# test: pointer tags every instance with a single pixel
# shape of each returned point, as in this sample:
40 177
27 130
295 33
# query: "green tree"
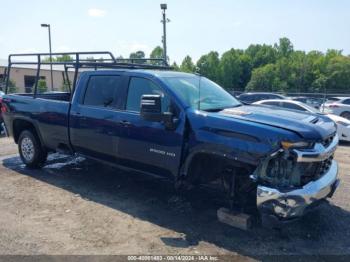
42 87
157 53
246 70
284 47
63 58
264 79
208 66
175 66
12 88
230 69
261 55
65 87
137 55
187 65
338 74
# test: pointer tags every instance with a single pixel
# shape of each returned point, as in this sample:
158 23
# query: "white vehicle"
338 106
343 124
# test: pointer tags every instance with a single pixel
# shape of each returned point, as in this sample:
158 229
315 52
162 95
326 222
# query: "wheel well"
206 167
19 125
230 175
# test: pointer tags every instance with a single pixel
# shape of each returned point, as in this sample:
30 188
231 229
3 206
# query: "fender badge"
236 112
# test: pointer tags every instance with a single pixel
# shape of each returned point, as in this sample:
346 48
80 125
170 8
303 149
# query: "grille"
313 171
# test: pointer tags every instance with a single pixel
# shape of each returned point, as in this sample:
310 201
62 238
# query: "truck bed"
48 112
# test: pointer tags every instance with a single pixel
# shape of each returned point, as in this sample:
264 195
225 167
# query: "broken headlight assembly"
281 169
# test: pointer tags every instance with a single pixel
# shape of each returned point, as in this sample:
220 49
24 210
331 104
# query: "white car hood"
336 118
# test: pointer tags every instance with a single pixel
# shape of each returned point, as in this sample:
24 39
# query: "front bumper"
294 203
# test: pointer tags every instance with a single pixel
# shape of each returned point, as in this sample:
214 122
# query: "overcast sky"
196 27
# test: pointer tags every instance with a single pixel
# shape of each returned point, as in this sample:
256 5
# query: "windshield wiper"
218 109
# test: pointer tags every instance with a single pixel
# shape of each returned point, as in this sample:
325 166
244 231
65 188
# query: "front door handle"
79 116
125 123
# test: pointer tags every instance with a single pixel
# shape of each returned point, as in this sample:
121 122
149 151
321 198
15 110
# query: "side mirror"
151 108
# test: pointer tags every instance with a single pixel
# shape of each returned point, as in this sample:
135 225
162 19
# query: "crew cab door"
146 145
94 122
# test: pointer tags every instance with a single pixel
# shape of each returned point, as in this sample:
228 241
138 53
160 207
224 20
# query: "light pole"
164 21
49 29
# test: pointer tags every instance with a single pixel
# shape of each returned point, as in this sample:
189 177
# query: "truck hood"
307 125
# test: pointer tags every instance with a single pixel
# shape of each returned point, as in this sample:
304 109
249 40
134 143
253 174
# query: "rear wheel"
30 149
345 115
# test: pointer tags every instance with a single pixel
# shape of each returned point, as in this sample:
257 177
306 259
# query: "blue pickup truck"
186 127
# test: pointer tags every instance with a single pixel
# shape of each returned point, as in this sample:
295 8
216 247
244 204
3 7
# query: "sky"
196 27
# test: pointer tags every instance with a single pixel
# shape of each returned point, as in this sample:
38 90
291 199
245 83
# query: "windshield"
311 109
332 99
201 93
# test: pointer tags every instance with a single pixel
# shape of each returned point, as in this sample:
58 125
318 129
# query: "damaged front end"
293 179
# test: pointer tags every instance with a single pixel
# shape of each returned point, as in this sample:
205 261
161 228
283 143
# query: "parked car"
249 98
338 106
314 102
343 124
183 126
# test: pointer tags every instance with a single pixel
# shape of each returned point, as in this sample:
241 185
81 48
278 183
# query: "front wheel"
30 150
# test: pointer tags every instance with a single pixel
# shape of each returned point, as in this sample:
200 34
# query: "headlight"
302 144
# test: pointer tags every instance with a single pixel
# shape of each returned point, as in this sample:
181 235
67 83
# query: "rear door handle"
125 123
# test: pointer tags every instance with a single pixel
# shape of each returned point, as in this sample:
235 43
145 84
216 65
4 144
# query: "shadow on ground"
325 231
344 143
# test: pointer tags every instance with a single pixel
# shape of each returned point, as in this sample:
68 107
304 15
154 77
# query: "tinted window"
270 103
293 106
331 99
142 86
243 98
300 99
265 97
102 91
274 97
248 98
346 102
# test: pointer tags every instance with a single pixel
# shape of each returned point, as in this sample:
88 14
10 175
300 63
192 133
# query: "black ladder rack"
78 62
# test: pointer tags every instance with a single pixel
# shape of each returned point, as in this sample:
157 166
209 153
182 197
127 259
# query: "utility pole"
49 29
164 21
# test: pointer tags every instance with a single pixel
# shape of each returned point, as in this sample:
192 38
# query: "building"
24 76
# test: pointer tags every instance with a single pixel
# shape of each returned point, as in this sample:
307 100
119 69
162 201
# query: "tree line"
269 68
277 68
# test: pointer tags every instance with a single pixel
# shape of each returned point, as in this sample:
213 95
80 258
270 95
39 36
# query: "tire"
345 115
30 150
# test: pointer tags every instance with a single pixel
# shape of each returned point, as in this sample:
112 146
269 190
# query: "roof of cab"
150 72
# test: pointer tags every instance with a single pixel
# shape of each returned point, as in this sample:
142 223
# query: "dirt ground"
75 206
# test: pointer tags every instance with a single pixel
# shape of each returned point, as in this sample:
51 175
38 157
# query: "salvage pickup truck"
186 127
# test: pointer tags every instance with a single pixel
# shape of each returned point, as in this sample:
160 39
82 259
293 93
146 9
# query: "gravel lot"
75 206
